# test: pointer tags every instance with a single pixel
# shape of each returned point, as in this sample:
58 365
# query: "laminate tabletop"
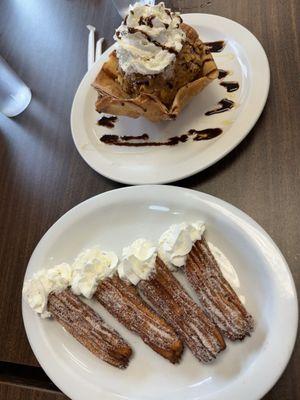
42 175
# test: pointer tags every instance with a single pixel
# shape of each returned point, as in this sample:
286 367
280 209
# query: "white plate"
247 61
245 370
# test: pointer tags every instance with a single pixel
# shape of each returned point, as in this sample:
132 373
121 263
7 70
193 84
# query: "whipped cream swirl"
37 289
176 243
148 39
138 261
89 268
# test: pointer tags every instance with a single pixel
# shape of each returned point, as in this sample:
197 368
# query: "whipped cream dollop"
176 243
138 261
37 289
89 268
148 39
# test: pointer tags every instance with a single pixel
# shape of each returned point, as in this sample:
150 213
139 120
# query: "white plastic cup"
123 5
14 94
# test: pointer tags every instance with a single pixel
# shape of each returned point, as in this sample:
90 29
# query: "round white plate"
245 370
246 60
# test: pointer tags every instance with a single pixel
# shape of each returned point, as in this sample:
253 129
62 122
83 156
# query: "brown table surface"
42 176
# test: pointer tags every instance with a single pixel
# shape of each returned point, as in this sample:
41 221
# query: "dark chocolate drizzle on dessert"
147 20
155 42
132 141
169 49
225 105
222 74
230 86
108 122
216 47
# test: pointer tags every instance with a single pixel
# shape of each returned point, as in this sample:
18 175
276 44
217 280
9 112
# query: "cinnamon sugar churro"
219 300
95 276
172 302
142 266
85 325
123 301
184 246
48 295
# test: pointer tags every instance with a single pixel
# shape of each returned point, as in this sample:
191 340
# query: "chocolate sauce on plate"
230 86
205 134
131 141
222 73
225 105
144 136
217 46
118 141
108 122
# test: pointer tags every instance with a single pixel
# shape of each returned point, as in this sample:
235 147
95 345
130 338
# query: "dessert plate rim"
258 94
264 373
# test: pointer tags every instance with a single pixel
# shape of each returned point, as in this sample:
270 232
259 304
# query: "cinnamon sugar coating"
85 325
123 301
172 302
217 298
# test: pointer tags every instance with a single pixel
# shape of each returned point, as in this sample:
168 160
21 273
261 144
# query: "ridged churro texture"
123 301
85 325
217 298
172 302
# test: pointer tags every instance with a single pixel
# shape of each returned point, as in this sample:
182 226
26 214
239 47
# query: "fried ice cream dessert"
158 65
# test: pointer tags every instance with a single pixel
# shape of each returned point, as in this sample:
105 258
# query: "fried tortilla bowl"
112 98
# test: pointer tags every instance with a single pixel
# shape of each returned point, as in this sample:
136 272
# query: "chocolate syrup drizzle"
230 86
144 136
108 122
155 42
146 20
131 141
217 46
205 134
222 73
225 105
